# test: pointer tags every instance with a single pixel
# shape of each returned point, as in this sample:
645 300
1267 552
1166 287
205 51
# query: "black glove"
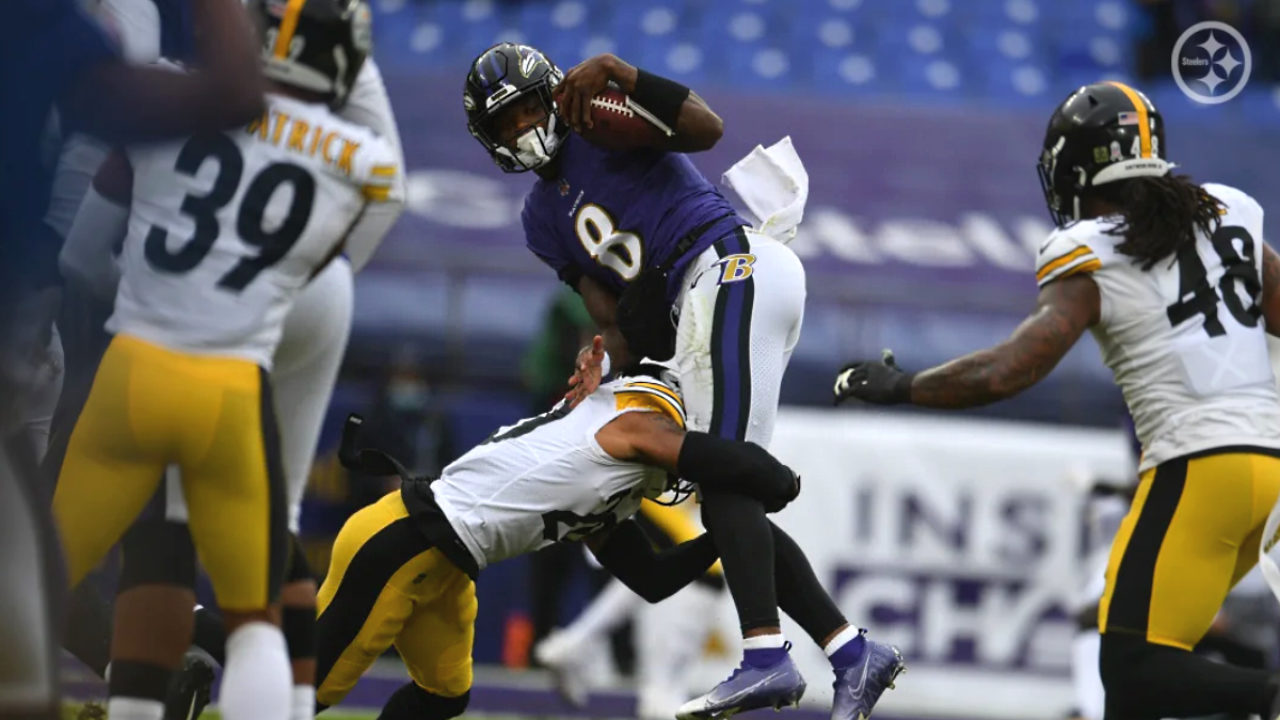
882 383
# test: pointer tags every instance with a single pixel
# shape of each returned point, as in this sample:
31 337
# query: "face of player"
525 132
517 119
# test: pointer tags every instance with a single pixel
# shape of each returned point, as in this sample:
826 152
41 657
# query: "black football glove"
882 383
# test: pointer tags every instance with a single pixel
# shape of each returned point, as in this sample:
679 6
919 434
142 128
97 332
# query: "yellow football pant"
1190 535
151 407
387 586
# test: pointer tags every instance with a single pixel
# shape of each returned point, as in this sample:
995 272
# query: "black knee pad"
299 569
1123 662
134 679
411 702
299 627
158 552
716 463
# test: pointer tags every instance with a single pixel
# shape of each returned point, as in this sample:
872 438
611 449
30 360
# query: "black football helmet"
1100 134
501 76
314 45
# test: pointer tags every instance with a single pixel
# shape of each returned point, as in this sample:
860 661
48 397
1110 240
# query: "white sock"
304 703
763 642
256 682
131 708
840 639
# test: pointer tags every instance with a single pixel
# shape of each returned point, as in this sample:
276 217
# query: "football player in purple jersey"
670 272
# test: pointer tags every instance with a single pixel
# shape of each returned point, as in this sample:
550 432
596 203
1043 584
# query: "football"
617 125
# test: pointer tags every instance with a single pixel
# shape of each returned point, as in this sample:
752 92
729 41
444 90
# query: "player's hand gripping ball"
589 100
615 125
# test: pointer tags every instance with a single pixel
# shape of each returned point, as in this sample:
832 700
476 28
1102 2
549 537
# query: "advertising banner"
958 540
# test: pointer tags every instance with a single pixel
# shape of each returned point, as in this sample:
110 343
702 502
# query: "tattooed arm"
1064 309
1271 289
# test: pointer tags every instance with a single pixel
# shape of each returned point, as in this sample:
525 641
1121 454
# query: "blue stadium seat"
922 40
1005 43
825 30
413 36
940 78
636 26
941 50
683 58
1098 52
771 68
844 73
1091 15
580 47
1019 83
849 8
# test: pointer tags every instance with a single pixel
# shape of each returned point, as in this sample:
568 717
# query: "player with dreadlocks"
1179 290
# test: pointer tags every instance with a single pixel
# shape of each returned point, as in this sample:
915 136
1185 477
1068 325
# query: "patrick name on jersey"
325 141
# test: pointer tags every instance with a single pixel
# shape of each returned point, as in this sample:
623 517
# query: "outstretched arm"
588 370
696 127
712 462
626 551
122 103
1064 310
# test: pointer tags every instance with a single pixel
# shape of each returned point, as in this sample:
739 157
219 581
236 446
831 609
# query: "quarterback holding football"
670 272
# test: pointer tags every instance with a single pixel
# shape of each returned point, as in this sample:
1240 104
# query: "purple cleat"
859 686
748 688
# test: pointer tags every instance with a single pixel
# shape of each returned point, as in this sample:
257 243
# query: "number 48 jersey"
224 228
1185 340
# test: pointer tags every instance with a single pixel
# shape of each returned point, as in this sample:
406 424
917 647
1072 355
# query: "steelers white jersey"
1185 340
546 478
224 228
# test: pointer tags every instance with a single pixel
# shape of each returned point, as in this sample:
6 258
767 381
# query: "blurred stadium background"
968 541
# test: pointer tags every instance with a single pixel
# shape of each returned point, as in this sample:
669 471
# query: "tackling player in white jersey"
224 230
1179 289
402 569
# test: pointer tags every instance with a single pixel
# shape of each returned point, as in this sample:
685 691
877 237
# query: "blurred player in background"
1179 289
223 231
643 236
669 636
303 373
403 568
58 56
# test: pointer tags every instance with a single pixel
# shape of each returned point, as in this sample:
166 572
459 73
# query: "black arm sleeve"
653 575
745 468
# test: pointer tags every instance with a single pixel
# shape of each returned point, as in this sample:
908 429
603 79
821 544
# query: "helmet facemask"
530 146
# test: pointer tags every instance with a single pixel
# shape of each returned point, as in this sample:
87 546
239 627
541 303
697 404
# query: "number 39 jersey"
546 479
1185 339
224 228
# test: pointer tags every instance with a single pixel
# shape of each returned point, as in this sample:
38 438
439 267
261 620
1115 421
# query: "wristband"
902 389
661 97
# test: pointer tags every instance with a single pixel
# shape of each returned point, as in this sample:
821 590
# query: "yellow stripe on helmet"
1144 124
288 26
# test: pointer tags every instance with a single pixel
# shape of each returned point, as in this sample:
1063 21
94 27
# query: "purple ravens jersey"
609 214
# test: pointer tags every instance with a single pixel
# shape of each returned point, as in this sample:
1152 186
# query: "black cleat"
189 689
